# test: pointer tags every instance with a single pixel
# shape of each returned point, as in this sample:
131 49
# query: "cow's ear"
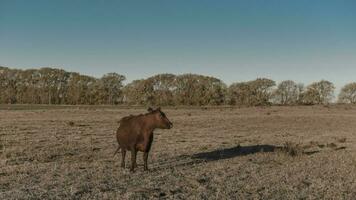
149 109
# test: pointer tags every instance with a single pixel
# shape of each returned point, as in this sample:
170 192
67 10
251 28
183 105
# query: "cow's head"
160 118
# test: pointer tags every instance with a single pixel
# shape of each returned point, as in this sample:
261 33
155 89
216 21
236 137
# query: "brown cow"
135 133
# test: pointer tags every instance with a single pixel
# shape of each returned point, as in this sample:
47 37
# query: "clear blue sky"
302 40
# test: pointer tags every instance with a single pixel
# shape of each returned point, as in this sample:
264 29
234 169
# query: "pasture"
66 152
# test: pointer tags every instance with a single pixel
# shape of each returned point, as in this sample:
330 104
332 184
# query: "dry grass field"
211 153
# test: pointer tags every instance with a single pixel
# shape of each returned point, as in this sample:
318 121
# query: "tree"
216 91
261 91
169 89
251 93
56 86
192 89
9 82
3 87
161 90
348 93
80 89
185 91
287 93
319 93
111 88
238 93
133 93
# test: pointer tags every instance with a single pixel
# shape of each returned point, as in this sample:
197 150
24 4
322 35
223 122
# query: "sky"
304 40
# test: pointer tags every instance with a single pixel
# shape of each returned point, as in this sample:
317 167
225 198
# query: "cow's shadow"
221 154
232 152
215 155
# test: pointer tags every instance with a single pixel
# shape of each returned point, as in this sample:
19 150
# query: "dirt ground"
211 153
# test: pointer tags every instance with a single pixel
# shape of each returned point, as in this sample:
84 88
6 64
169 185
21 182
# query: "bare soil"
211 153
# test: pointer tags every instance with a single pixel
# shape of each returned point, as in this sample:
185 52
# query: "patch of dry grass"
293 149
211 153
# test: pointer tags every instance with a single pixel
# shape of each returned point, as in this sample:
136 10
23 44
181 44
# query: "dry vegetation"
58 87
211 153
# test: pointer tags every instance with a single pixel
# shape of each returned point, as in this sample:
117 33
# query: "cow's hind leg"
123 155
133 159
117 150
145 157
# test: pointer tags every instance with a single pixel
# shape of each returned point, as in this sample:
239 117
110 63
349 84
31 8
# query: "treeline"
56 86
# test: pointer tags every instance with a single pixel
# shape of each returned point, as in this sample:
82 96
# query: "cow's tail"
117 151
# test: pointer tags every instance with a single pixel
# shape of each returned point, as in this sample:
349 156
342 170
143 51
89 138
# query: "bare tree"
287 93
319 93
348 93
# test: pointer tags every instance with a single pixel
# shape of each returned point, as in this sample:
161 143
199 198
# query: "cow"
135 133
